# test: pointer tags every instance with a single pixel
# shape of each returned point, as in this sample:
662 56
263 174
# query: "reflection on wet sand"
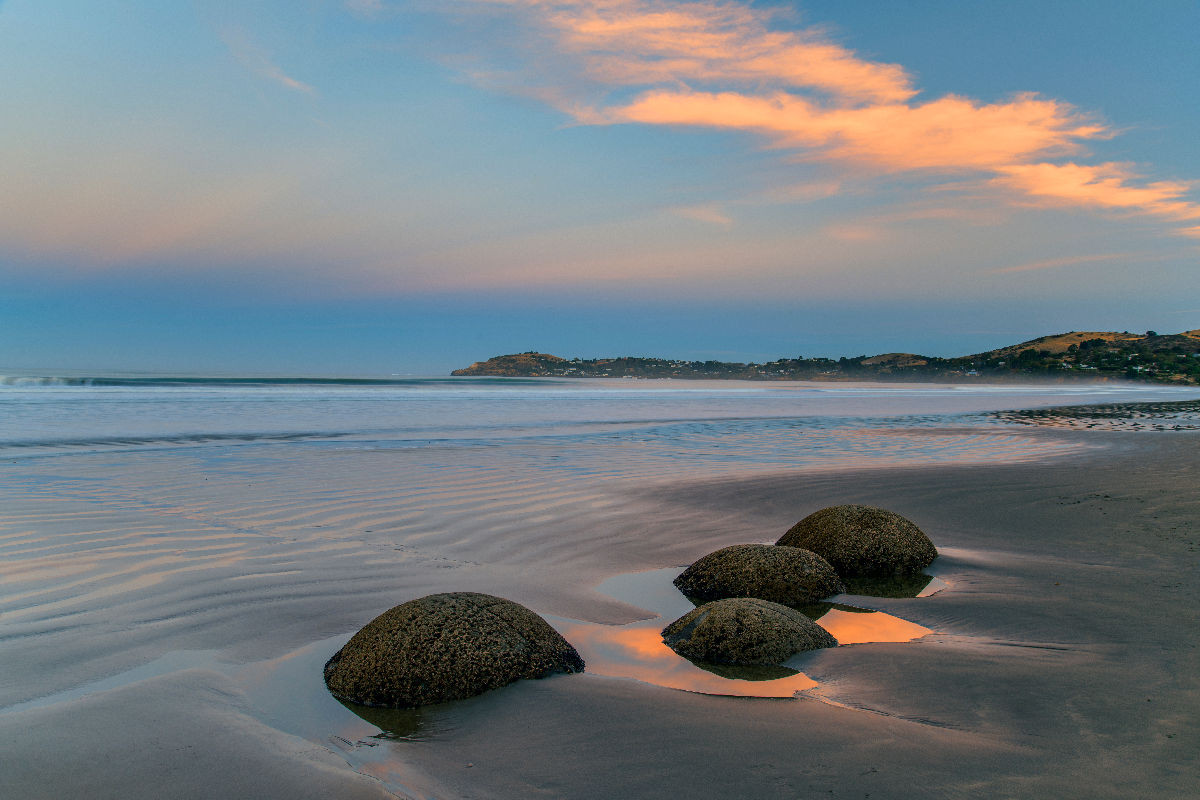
920 585
852 626
637 650
395 723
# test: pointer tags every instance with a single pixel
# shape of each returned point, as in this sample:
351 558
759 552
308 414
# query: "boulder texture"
744 631
446 647
788 575
863 541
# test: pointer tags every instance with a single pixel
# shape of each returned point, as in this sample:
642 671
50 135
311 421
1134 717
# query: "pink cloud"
707 213
727 65
1068 261
1101 186
951 133
641 42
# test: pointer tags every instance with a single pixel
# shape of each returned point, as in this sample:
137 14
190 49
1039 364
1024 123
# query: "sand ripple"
111 558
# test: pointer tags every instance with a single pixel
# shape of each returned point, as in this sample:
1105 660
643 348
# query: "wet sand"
1063 663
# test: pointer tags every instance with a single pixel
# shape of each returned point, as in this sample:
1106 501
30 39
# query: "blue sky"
378 186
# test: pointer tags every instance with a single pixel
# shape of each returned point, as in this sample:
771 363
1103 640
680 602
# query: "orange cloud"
1102 186
640 42
709 213
726 64
951 133
1067 261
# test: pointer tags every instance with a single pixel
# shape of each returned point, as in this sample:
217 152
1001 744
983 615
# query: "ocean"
150 525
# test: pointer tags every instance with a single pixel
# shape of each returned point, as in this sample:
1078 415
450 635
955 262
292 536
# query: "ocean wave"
162 381
171 439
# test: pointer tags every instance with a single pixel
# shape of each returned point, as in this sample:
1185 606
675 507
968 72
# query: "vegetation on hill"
1170 358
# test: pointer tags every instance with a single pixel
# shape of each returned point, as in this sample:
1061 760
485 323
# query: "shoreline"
1063 661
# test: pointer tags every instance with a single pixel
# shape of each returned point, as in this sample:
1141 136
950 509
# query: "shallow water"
637 651
149 528
148 517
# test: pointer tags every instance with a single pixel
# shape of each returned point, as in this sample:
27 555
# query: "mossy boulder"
863 541
788 575
446 647
744 631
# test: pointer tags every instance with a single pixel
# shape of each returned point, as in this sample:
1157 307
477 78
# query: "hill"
1107 355
518 365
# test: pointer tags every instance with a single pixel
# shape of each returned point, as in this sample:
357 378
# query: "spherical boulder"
788 575
446 647
863 541
744 631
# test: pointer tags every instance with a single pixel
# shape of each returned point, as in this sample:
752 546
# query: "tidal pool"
636 650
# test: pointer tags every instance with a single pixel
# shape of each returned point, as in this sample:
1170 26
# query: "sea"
156 523
585 426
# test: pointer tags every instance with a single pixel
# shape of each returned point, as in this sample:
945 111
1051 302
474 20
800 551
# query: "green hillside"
1168 358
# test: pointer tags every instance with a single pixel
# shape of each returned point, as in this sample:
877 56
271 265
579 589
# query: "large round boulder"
863 541
788 575
446 647
744 631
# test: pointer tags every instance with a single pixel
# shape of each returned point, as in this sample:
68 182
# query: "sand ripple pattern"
111 557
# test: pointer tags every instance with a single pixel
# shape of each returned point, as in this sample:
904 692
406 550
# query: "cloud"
734 66
640 42
948 134
803 192
1068 261
706 213
1101 186
258 61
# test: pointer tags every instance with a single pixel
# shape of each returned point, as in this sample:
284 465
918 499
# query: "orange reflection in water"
637 651
852 627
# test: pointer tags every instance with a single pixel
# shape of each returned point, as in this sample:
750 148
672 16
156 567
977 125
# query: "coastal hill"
519 365
1149 356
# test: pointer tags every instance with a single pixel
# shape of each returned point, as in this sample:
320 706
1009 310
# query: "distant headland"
1149 356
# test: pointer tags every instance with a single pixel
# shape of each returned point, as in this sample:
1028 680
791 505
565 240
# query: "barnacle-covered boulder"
446 647
744 631
863 541
788 575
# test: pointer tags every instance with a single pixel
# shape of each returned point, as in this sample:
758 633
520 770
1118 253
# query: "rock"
446 647
744 631
788 575
861 541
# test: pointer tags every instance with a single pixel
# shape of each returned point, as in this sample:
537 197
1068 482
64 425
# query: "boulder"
788 575
446 647
744 631
863 541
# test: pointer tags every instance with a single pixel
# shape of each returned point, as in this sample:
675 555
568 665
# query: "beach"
167 611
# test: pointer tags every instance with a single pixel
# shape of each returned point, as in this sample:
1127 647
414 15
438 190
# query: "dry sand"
1063 663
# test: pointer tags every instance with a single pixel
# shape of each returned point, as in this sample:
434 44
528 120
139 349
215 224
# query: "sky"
378 187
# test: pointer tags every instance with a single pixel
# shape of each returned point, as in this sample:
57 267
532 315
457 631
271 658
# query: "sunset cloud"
641 42
1106 186
708 213
251 56
950 134
1067 261
732 66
